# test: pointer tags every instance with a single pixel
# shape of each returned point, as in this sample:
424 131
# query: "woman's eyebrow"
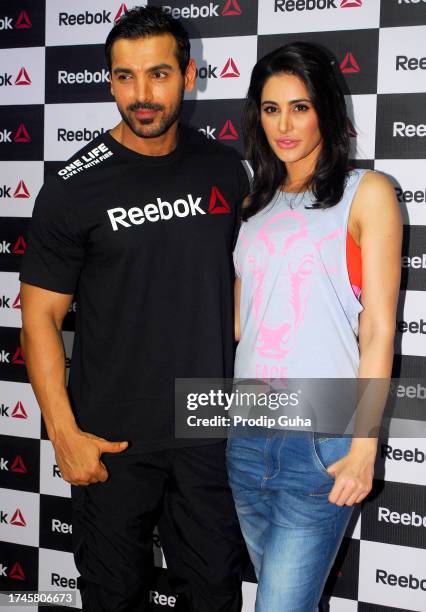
296 101
299 100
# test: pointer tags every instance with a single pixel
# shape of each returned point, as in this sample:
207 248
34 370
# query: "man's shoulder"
200 145
215 161
91 156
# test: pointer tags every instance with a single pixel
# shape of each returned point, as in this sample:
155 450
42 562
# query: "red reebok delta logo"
17 302
22 134
349 64
121 11
23 22
19 411
350 3
16 572
230 70
228 132
18 465
218 205
18 358
20 246
21 191
23 78
18 519
231 8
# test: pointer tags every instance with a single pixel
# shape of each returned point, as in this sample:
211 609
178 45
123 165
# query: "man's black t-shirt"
146 243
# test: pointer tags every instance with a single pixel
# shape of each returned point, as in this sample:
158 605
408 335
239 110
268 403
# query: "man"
140 222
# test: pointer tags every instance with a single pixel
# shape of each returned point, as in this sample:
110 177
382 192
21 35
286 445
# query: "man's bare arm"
77 452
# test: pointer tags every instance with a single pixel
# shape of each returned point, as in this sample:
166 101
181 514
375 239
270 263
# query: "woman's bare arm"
376 214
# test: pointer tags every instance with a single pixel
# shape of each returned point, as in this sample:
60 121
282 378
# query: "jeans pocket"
328 449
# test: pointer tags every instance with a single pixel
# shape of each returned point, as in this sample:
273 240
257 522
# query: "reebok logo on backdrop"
206 11
22 78
18 411
288 6
23 22
88 18
15 573
229 70
21 135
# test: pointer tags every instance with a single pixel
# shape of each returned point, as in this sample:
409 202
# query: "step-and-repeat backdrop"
54 98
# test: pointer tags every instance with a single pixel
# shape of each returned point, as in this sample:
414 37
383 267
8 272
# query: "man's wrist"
60 433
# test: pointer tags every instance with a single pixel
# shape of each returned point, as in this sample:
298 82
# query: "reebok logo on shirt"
164 211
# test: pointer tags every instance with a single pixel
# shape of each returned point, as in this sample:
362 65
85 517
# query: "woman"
317 263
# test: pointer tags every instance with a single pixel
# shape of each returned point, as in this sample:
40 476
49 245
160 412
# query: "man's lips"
145 114
287 143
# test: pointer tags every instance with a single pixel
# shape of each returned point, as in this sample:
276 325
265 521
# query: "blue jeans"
280 487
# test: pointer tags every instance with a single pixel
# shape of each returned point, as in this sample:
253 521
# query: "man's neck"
155 147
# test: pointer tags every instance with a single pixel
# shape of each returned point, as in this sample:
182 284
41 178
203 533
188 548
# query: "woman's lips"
287 143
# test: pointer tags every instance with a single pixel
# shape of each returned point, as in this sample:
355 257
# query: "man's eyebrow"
163 66
160 67
121 70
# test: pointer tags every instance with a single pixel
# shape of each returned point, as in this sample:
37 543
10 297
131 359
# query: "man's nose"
142 90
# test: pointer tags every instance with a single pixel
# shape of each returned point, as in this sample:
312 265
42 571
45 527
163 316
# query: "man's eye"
123 77
159 74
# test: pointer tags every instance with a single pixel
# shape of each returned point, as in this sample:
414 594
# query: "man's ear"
190 75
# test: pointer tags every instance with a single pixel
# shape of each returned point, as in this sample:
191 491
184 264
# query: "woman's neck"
300 172
294 186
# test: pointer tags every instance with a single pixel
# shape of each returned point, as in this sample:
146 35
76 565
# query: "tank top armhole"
353 256
236 253
354 264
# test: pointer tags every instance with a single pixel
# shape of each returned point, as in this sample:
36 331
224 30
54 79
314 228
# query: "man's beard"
143 127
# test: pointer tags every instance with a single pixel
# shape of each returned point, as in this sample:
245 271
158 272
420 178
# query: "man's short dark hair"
150 21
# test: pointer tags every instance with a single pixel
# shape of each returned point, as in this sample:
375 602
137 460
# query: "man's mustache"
145 106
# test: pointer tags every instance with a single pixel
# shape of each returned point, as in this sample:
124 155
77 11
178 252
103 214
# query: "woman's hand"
353 474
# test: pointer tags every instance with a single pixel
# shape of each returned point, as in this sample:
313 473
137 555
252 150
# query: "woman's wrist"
365 447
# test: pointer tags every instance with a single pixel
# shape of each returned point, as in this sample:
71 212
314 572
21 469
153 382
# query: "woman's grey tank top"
298 311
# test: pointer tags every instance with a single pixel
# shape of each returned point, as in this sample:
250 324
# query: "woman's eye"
269 109
301 107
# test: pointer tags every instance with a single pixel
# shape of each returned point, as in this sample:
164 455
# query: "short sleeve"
244 185
56 248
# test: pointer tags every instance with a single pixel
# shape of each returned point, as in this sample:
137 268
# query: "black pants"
183 491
